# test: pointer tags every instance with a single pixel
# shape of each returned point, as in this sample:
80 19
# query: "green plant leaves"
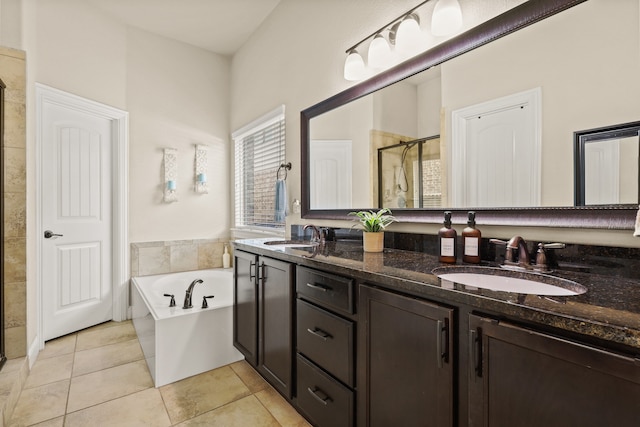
375 221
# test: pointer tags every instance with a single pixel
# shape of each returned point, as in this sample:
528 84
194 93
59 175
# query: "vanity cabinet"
325 333
405 363
245 306
263 317
526 378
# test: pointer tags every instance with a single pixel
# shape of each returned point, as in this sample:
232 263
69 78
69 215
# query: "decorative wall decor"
170 175
201 163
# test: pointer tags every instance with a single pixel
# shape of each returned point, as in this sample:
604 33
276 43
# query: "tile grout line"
73 363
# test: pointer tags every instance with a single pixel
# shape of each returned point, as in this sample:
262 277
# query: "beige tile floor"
98 377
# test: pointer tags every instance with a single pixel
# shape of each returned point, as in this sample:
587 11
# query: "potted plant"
374 224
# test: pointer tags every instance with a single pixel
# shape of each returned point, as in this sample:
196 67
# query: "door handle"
50 234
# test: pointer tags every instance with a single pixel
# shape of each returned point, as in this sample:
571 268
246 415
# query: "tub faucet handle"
204 301
172 303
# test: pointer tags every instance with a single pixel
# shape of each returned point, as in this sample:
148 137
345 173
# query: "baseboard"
34 350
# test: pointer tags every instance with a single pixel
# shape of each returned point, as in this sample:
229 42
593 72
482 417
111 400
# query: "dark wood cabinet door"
276 324
524 378
245 306
405 367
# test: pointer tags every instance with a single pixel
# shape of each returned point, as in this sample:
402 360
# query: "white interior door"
76 190
602 180
330 172
496 150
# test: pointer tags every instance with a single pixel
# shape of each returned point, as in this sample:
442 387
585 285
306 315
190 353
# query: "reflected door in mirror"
330 167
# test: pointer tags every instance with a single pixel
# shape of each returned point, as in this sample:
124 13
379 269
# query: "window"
259 151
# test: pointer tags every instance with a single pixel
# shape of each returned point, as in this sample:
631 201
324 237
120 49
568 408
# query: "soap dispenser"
226 258
447 238
471 241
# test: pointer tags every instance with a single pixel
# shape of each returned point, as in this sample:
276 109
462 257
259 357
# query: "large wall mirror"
541 67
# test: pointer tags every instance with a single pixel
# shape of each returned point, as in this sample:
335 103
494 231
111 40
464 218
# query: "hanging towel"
636 232
281 200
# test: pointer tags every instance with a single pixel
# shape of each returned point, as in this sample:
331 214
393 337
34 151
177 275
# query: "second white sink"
497 280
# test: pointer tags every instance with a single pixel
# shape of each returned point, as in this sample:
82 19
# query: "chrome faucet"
316 236
517 243
187 296
517 253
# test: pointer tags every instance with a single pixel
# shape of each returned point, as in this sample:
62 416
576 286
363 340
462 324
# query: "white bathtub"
179 343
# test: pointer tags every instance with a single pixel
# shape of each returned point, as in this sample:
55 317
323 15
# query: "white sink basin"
499 280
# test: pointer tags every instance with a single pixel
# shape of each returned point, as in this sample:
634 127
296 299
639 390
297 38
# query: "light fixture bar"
385 27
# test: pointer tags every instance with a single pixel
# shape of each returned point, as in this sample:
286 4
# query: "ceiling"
220 26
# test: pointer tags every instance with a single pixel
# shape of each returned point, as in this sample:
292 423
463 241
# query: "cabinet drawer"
327 340
321 398
326 289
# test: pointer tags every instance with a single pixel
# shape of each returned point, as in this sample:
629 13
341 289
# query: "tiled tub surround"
608 312
148 258
12 73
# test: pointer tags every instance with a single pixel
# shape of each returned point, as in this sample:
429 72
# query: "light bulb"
447 18
354 66
409 35
379 56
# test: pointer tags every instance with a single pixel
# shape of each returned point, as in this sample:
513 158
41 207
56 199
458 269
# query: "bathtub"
179 343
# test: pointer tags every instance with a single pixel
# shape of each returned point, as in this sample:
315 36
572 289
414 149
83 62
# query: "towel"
281 200
636 232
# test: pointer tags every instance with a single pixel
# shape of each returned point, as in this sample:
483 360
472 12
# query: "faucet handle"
541 258
553 245
498 242
204 301
172 302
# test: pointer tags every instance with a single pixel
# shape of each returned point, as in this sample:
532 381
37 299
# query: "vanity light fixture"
404 38
447 18
379 55
354 68
409 35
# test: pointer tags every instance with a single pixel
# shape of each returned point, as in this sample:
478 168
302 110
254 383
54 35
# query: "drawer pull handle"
320 333
318 287
319 395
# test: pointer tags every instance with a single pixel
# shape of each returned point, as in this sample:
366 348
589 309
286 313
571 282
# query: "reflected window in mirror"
606 165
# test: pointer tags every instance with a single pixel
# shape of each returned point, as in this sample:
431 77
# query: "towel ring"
286 167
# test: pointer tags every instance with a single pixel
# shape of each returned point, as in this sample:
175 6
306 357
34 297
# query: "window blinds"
258 154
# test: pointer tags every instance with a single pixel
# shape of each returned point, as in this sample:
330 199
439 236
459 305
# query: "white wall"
581 58
298 54
177 96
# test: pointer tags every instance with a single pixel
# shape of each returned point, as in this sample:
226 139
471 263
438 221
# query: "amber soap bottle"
471 241
447 238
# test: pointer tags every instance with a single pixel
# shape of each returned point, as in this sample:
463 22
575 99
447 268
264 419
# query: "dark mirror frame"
530 12
582 138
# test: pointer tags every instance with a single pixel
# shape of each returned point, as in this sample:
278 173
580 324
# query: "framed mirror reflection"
538 45
606 165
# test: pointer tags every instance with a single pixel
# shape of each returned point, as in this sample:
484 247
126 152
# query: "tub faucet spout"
187 296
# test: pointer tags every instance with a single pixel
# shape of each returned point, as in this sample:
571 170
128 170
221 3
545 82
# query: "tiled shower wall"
150 258
13 74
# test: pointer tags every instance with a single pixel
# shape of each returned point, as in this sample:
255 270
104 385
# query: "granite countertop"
608 311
